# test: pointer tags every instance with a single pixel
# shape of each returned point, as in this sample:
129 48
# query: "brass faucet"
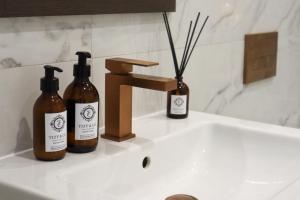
118 95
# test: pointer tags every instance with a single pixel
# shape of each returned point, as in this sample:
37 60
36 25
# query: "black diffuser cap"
49 83
81 69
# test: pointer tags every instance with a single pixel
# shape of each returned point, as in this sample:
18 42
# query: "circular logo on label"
178 101
58 123
88 113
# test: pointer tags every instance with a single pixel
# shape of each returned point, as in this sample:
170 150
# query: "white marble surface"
214 74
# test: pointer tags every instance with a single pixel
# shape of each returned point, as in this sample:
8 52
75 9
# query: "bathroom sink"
209 157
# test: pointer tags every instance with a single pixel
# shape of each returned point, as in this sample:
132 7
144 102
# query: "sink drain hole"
181 197
146 162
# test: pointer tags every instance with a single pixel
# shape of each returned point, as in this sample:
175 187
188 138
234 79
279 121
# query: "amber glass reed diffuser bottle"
82 100
178 100
49 120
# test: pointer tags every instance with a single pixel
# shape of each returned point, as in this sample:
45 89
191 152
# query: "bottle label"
86 121
178 104
55 131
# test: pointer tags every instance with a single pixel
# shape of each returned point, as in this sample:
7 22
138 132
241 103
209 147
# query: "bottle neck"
179 79
180 82
50 92
81 79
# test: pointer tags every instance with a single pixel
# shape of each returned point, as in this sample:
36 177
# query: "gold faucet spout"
153 82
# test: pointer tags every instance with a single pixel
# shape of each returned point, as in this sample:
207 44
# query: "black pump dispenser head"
49 83
82 69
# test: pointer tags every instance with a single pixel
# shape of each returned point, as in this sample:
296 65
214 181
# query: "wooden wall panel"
260 60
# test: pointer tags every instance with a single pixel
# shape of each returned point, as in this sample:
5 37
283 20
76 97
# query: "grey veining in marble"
9 63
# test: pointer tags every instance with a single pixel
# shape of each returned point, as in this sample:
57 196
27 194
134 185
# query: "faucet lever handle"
125 65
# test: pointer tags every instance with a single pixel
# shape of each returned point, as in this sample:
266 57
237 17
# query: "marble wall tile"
219 72
276 100
127 34
217 86
231 19
142 33
39 40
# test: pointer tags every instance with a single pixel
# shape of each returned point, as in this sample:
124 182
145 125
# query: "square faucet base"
118 139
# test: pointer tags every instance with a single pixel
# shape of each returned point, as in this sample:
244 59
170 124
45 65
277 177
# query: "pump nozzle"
50 83
82 57
49 71
82 69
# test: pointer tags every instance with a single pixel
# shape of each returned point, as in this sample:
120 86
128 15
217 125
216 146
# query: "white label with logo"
178 104
55 131
86 121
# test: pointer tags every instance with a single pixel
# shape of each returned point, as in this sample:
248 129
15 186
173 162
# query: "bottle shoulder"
82 92
182 89
183 86
49 103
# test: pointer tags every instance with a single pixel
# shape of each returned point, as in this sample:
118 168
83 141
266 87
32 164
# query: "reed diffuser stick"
195 43
188 48
190 42
185 46
171 44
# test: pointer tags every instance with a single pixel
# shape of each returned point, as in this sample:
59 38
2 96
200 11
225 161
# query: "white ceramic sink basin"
209 157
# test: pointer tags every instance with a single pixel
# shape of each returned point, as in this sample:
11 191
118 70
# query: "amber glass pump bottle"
82 100
49 120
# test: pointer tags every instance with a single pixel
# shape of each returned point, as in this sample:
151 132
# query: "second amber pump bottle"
82 102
